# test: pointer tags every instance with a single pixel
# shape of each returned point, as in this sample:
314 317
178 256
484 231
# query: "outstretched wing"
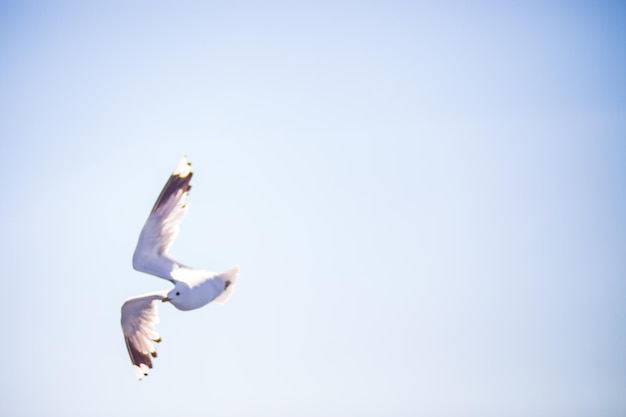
162 225
139 319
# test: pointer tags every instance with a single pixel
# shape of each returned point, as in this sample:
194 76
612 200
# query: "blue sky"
426 202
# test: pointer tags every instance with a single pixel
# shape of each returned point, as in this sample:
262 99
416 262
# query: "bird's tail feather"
230 278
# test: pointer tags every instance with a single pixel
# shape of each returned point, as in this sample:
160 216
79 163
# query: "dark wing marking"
139 319
174 185
163 225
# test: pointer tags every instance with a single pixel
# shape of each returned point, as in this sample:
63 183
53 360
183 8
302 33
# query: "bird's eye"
177 292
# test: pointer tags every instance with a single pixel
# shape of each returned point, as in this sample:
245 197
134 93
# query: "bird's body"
197 288
193 288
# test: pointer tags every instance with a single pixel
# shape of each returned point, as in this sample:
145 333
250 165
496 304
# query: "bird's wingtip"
183 168
140 371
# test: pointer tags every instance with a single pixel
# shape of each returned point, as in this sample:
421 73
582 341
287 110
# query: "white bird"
193 288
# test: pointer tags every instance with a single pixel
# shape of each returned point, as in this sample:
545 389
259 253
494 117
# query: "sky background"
427 203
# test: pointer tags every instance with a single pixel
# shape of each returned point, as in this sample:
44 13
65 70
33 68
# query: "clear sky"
427 203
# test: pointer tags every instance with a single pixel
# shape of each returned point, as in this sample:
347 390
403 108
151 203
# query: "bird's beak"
164 299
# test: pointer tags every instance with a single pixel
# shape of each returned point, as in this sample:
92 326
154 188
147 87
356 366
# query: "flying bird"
193 288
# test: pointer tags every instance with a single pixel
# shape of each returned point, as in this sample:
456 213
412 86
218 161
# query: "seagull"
193 288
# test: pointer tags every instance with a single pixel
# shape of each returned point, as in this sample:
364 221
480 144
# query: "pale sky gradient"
427 203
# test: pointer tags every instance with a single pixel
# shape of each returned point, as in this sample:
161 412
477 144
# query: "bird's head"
177 294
